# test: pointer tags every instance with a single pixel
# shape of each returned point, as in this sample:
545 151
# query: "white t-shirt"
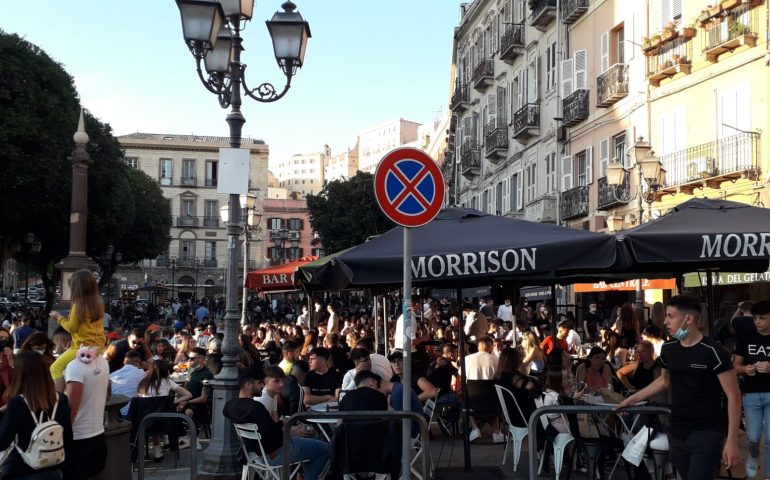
505 313
573 340
125 381
398 337
270 403
95 377
481 366
165 387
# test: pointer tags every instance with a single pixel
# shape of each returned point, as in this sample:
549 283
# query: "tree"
345 213
39 109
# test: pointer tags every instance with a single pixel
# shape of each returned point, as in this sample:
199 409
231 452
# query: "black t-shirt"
325 384
363 399
441 377
246 410
744 325
754 347
696 394
592 319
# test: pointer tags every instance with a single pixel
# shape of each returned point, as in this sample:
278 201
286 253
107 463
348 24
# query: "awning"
278 277
535 293
655 284
692 280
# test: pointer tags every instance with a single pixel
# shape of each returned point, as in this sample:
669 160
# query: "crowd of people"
293 356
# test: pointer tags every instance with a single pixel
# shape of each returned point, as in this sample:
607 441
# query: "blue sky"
368 62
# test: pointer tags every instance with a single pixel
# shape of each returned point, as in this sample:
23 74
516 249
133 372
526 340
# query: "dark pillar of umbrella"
463 382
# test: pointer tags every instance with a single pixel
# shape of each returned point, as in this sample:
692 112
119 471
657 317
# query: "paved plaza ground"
447 454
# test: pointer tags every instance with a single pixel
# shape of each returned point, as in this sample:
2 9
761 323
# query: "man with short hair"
303 320
322 384
698 372
290 353
314 453
592 319
505 311
548 344
380 363
361 361
201 313
274 383
476 324
743 321
482 365
21 333
366 395
116 352
126 380
196 406
289 401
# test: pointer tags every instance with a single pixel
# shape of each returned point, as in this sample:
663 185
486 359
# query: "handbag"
634 451
587 426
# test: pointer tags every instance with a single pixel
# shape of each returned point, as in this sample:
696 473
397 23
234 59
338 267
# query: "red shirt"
547 344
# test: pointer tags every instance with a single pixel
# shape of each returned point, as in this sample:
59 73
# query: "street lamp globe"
224 213
662 177
650 167
201 20
641 149
217 60
616 223
289 32
244 9
615 173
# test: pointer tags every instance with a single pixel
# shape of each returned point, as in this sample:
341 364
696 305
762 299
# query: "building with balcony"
709 84
187 170
287 231
303 173
603 86
375 142
501 147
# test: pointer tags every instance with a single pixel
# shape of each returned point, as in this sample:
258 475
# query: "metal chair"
256 461
560 443
515 434
418 445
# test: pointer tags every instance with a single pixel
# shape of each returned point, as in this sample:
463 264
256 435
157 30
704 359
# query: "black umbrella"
470 247
702 234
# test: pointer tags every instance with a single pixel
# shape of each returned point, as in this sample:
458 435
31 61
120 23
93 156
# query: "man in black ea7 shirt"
698 371
322 383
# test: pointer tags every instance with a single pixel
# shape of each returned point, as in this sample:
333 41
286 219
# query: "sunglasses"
195 357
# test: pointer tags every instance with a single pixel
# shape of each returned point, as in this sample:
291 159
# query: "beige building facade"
342 166
375 142
303 173
187 170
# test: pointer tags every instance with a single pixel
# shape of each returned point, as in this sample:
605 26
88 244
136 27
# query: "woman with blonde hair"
85 322
534 359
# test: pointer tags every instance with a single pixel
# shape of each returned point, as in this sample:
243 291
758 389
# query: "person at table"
290 354
116 352
617 355
482 365
643 371
126 380
548 344
322 384
289 400
274 383
420 385
752 360
533 362
367 394
573 338
314 453
698 372
196 406
594 373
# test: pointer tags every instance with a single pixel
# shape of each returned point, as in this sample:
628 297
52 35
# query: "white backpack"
46 444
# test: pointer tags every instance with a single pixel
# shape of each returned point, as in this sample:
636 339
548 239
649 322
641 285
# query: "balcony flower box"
704 17
688 32
668 34
715 10
730 4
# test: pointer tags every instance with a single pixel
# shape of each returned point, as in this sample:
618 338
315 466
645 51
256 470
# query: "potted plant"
714 10
688 31
703 17
655 40
669 32
736 29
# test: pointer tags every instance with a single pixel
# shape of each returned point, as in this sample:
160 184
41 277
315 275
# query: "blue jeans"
757 409
314 453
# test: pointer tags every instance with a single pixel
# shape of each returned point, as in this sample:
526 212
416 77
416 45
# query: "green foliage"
345 213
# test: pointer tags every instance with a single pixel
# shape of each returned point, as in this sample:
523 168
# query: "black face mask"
3 344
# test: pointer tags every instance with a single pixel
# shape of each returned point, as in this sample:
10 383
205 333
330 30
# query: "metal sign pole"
406 380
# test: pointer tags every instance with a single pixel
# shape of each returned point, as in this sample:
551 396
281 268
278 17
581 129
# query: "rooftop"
172 138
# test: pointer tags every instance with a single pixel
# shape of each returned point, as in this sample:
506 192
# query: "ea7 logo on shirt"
763 350
698 366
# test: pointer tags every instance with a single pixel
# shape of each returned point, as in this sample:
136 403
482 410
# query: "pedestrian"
752 352
698 371
84 323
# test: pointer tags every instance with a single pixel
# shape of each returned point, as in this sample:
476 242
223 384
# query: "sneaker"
184 443
157 453
198 445
751 466
498 438
475 435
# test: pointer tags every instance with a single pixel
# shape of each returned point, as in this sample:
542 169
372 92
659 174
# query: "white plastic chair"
418 445
255 461
560 443
515 434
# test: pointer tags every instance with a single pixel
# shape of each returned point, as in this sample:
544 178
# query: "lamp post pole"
212 33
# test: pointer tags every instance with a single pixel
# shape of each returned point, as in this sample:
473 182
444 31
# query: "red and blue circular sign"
409 187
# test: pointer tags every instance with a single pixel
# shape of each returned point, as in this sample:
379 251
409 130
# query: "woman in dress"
626 326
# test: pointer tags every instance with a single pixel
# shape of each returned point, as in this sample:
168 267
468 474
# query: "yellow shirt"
84 331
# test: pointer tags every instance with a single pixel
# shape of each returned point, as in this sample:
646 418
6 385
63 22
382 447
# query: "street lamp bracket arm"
216 83
264 92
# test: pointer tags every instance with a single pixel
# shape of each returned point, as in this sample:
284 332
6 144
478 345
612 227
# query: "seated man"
322 384
482 365
288 402
420 385
197 406
126 380
245 410
367 395
361 361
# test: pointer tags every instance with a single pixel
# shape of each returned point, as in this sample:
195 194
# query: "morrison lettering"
474 263
735 245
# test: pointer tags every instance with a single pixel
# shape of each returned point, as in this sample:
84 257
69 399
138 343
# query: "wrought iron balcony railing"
189 181
512 42
737 27
611 196
483 74
470 158
673 57
574 203
187 221
571 10
460 98
496 144
612 85
542 13
575 107
525 120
